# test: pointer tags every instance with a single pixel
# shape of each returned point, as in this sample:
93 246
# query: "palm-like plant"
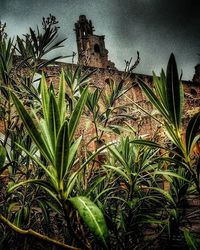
167 97
53 135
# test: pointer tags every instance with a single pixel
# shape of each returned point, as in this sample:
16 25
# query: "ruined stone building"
92 54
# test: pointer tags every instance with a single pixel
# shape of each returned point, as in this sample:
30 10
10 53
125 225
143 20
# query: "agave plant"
53 135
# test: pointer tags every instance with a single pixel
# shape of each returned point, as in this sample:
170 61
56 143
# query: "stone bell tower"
91 48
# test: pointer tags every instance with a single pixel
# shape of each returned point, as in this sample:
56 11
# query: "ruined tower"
91 48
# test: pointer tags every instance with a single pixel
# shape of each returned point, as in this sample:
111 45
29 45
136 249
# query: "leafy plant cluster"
56 191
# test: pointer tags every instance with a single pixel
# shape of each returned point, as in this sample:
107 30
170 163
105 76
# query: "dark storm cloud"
157 28
169 16
154 27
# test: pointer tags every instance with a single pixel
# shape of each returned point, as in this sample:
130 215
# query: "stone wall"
133 99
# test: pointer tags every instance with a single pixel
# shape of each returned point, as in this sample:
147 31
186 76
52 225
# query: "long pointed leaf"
191 132
54 120
50 174
44 184
174 94
61 97
153 99
45 97
62 150
34 133
72 152
75 117
92 216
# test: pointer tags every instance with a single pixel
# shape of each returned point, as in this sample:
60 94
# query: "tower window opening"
96 48
193 92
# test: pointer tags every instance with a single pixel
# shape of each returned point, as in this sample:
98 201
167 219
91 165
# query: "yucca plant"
168 99
53 134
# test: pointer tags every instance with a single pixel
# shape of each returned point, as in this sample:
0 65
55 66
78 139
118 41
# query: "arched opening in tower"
96 48
193 92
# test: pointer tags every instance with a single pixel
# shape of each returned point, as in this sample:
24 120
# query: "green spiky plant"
36 45
168 99
105 109
6 66
139 174
76 80
53 135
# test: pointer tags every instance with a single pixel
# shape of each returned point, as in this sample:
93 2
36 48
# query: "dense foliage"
54 189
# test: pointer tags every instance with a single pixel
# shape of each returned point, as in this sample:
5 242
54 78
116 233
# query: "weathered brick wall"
142 122
134 97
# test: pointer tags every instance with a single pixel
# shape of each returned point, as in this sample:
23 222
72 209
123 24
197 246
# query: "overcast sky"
153 27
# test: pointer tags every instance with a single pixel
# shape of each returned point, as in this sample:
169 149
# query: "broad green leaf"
92 216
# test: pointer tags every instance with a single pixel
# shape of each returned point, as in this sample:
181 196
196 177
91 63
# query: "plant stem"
143 110
33 233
